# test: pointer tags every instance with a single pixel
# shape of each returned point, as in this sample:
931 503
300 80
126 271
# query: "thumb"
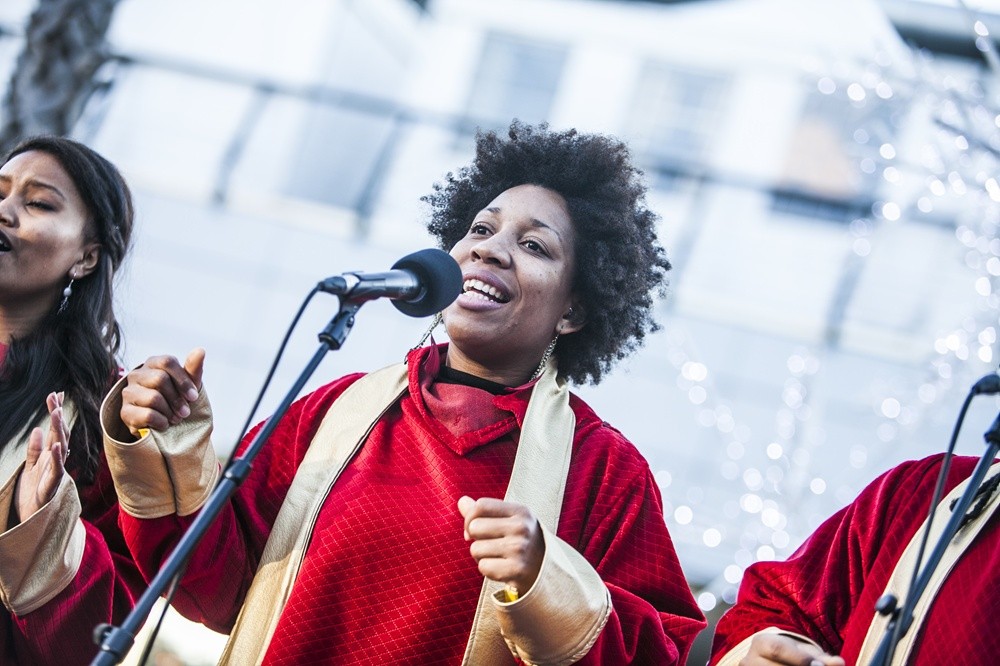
194 364
465 505
34 450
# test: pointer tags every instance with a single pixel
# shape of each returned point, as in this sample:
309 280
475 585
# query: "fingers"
828 660
777 649
487 508
506 540
484 527
465 506
194 364
34 448
43 470
54 471
58 429
158 393
502 566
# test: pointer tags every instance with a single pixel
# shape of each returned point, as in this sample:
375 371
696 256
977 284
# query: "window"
517 77
677 112
833 160
337 152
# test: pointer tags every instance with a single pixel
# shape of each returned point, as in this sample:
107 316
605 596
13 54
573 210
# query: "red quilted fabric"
60 632
103 590
388 577
827 589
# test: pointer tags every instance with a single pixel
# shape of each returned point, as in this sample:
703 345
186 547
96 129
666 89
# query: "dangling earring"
545 358
430 329
67 292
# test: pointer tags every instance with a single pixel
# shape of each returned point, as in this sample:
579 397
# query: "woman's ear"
88 262
573 320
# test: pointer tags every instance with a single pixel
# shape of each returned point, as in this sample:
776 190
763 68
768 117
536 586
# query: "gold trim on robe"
902 574
557 621
161 473
42 554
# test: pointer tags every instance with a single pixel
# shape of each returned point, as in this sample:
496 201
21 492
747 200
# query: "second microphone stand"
901 619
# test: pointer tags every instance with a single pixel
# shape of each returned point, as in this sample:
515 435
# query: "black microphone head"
440 276
988 385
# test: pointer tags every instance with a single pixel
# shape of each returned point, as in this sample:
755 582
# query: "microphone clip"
339 285
988 385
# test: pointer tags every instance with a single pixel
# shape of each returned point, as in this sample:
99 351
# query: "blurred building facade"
827 193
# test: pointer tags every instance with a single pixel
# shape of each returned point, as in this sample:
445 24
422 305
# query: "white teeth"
484 289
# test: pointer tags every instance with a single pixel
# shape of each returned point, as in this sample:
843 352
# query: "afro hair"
620 264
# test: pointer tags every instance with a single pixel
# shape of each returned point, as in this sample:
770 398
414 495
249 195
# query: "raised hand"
770 649
44 464
160 391
506 540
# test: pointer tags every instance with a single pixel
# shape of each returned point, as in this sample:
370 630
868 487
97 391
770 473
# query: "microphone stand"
115 642
902 619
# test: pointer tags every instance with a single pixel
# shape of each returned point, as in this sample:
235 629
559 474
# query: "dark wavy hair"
74 350
620 264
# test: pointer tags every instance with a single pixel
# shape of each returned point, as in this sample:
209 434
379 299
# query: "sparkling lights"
932 156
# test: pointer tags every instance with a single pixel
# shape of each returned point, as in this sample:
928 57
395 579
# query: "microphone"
988 385
419 284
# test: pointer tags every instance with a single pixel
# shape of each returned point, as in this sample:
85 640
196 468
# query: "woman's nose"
8 217
493 250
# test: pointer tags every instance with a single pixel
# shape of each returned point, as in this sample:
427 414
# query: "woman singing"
463 507
65 223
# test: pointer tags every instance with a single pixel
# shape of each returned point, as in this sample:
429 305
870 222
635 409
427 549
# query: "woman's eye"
42 205
479 229
535 246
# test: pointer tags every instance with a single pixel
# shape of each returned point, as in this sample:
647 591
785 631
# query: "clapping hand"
44 464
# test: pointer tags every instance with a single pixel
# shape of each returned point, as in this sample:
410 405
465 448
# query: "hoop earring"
430 329
545 359
67 292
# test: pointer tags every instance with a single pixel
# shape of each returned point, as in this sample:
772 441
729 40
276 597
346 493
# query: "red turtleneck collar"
463 417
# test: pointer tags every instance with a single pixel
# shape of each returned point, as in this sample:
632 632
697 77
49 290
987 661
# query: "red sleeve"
104 589
654 618
223 565
817 590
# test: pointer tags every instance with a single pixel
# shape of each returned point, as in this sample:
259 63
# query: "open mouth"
485 291
4 243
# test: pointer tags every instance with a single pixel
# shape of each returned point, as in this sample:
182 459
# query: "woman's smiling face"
43 230
518 260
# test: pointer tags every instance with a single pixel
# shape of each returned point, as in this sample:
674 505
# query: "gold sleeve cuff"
734 656
42 554
161 473
558 620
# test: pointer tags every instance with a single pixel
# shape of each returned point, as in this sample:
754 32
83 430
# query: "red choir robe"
59 632
827 589
388 575
105 587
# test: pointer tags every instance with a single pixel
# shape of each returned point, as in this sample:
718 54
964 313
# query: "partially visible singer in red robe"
470 460
66 220
818 607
